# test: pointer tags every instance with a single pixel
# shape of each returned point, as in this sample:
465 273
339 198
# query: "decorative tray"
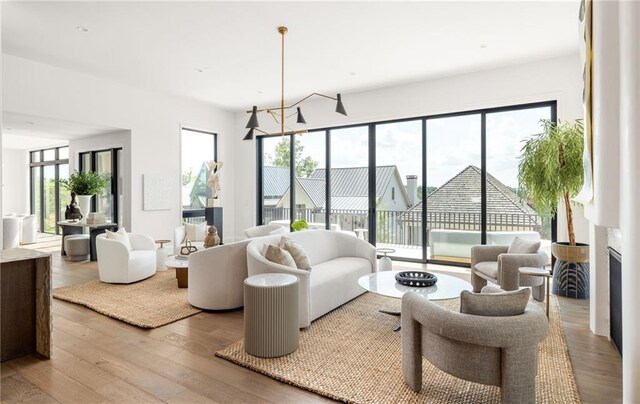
418 279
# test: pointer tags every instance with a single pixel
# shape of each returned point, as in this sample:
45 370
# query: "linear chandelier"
278 113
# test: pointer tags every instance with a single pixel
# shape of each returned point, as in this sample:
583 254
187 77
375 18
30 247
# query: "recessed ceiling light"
202 69
28 122
82 29
483 45
352 73
259 92
8 128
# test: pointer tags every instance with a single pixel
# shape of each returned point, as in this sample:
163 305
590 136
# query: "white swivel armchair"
118 264
29 230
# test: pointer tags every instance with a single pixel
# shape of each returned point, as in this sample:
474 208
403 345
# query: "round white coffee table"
384 283
385 263
182 270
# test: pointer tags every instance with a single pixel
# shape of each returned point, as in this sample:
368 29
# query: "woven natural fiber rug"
352 355
150 303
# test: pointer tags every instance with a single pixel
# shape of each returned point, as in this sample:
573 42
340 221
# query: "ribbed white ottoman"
77 247
271 315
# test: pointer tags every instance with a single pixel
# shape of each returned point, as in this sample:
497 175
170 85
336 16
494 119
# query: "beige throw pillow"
196 232
510 303
121 236
520 246
297 252
276 254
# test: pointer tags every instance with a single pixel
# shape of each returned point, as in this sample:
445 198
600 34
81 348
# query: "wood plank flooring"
98 359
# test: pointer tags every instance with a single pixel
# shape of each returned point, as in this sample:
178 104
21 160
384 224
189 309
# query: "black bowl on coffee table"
419 279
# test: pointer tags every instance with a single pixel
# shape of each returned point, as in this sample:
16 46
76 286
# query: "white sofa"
216 276
118 264
179 235
337 261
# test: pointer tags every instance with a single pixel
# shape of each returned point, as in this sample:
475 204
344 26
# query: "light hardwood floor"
99 359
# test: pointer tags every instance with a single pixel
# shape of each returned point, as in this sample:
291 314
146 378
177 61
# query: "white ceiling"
331 46
27 132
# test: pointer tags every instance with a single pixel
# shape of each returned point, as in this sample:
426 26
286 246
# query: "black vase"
72 212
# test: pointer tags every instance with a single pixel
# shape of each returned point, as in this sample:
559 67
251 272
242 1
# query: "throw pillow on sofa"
520 246
276 254
121 236
297 252
196 232
492 304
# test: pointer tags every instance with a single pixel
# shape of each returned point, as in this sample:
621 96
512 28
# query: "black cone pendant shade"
249 135
339 107
253 120
300 117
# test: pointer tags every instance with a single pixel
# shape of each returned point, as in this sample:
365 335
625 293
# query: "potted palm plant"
550 174
84 185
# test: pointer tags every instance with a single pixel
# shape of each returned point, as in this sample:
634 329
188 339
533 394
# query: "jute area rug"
150 303
352 355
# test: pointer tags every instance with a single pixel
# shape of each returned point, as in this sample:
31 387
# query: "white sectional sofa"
337 261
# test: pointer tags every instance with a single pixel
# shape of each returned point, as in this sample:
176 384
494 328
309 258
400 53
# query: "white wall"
153 119
555 79
15 181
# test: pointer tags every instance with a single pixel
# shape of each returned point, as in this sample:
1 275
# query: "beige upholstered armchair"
494 263
494 350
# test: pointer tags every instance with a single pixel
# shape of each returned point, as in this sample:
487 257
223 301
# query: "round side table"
531 271
271 322
385 263
162 253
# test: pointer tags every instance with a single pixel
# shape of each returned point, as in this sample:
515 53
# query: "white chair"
11 232
265 230
216 276
29 233
179 235
118 264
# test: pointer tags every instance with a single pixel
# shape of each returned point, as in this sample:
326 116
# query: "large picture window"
198 148
427 188
48 198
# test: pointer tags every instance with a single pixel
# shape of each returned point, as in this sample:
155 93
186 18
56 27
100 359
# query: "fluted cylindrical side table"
271 324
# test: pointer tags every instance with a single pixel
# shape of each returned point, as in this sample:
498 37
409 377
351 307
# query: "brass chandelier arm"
294 104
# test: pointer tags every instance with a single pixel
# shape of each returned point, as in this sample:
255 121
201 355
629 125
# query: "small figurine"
212 238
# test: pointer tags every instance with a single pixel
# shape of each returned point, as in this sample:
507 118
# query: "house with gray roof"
457 205
350 190
275 182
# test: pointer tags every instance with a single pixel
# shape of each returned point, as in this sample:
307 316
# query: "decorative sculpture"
212 238
213 177
72 212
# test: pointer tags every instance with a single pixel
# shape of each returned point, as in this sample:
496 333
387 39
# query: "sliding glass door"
427 188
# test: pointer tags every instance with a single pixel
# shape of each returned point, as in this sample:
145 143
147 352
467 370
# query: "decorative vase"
571 270
84 203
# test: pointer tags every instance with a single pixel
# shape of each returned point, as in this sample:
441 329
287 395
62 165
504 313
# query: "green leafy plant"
86 183
551 169
300 225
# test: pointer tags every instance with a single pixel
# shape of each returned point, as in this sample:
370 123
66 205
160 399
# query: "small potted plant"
299 225
84 185
551 172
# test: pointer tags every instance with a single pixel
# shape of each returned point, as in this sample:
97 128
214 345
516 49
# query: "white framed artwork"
156 189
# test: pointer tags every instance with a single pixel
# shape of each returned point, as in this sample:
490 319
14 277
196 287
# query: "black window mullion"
483 178
327 180
372 184
292 180
424 191
260 180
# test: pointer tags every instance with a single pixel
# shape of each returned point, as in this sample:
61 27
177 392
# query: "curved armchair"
499 351
337 261
29 231
265 230
493 263
216 276
118 264
10 232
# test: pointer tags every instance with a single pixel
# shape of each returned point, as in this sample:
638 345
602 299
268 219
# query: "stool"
162 253
77 247
271 323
